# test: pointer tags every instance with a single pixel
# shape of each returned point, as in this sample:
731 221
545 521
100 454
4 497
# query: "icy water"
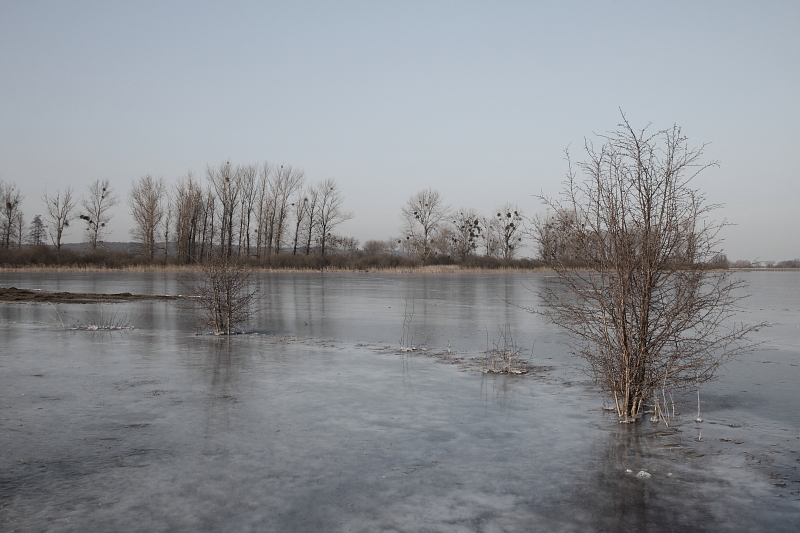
314 425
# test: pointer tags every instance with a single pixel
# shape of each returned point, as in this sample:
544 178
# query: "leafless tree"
60 212
225 182
510 230
146 200
329 211
313 194
287 182
466 233
340 245
423 216
490 236
189 209
209 210
267 210
645 311
443 241
10 208
264 207
97 206
555 235
249 195
392 245
373 247
167 224
224 293
19 225
300 210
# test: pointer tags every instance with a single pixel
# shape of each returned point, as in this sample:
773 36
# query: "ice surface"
311 426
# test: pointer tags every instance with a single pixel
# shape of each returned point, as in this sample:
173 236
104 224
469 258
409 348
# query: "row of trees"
61 208
430 228
243 210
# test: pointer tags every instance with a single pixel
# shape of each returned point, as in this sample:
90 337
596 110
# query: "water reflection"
647 479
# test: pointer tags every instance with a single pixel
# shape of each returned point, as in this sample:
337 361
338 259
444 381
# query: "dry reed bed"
176 269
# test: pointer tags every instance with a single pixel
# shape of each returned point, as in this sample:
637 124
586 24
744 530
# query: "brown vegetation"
13 294
647 309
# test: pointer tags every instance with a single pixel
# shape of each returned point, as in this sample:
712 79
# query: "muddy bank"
13 294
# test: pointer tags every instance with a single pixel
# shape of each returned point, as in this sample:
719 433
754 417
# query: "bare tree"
224 293
168 215
146 200
423 216
287 182
300 211
60 212
225 180
97 207
189 209
466 232
373 247
249 174
209 211
329 211
312 211
19 225
10 208
645 311
510 230
490 236
264 207
555 234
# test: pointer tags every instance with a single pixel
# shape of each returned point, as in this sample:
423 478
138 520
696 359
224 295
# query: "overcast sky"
475 99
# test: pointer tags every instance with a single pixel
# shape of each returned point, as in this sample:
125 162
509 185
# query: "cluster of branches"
557 238
646 308
224 294
431 228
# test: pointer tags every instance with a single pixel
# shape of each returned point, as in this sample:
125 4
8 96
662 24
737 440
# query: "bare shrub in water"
646 311
223 293
504 356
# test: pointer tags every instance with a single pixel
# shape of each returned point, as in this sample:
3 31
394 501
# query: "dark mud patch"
13 294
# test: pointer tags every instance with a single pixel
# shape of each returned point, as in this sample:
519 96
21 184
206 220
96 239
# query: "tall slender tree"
10 208
61 207
330 213
97 207
146 200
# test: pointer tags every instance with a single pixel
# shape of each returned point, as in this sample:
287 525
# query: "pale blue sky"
475 99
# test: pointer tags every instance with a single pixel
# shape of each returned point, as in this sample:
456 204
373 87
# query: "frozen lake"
313 425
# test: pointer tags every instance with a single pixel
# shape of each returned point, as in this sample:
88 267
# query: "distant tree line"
241 211
272 216
433 232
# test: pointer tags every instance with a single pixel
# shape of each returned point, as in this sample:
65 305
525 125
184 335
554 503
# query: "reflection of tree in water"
221 364
612 499
500 388
222 367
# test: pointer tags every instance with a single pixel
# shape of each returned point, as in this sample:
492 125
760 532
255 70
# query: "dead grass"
176 269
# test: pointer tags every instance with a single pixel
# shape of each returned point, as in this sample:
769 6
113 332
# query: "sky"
477 100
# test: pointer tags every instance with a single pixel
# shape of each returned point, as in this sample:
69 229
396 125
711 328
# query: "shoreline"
427 269
22 296
176 269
